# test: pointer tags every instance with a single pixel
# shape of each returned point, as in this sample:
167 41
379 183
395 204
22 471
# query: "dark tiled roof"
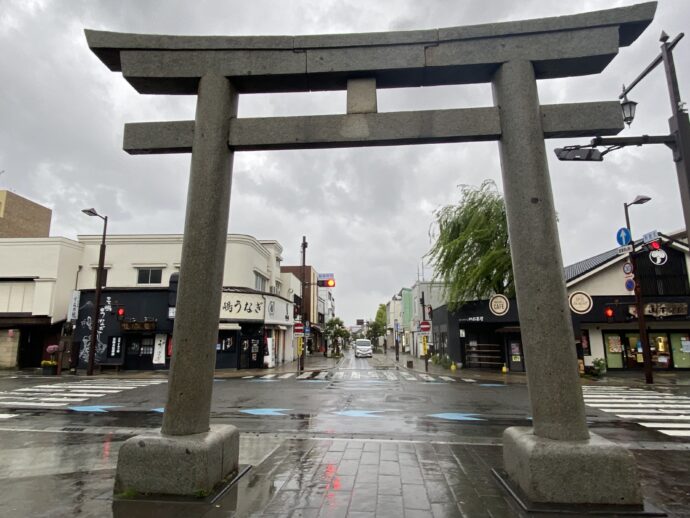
575 270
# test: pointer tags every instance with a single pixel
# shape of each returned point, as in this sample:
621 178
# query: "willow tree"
471 255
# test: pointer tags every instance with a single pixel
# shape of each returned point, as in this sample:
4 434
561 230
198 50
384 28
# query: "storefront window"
680 346
661 353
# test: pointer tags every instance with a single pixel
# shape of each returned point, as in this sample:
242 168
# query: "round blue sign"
629 284
623 236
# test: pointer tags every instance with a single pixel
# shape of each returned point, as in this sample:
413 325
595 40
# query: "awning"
229 326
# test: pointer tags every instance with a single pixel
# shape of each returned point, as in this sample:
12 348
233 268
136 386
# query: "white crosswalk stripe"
55 395
347 375
663 412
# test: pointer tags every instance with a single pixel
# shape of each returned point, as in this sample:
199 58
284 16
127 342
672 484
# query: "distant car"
363 348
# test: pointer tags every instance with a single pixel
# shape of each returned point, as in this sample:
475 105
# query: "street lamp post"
97 294
646 352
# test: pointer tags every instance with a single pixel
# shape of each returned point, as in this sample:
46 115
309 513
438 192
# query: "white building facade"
38 278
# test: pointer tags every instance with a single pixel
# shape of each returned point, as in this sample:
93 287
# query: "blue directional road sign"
623 236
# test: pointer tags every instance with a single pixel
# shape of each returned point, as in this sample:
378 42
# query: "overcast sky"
366 212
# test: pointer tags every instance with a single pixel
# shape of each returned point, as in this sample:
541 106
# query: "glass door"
613 345
633 351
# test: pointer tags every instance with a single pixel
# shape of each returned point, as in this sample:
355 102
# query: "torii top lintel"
558 47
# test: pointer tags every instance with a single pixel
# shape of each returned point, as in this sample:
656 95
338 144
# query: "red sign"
299 327
425 326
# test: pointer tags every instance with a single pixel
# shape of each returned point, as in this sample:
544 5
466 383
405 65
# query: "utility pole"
305 318
644 340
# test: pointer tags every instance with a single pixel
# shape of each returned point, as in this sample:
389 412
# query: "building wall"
39 275
9 344
125 254
20 217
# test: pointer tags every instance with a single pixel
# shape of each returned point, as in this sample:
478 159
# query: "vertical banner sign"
159 349
73 312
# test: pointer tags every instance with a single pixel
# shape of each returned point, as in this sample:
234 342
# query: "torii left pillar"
188 456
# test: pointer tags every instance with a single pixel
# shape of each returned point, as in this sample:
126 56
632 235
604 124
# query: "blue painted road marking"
96 408
457 417
265 411
359 413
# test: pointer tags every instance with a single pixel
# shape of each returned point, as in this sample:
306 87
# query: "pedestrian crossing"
358 375
57 395
661 411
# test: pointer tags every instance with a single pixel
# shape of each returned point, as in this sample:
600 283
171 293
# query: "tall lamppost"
646 352
97 295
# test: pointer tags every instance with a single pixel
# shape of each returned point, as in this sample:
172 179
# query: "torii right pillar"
557 460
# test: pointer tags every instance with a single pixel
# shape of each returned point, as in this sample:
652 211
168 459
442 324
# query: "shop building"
486 333
47 289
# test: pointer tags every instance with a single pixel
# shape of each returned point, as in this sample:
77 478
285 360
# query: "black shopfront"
134 329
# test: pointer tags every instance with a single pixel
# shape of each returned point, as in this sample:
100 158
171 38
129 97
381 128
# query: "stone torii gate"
557 460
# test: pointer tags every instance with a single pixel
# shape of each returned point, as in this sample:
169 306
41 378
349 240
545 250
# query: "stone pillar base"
188 465
595 471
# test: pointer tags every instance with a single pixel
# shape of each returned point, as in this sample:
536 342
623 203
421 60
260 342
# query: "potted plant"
49 367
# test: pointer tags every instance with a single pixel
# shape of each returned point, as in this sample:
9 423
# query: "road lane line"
286 376
447 378
305 375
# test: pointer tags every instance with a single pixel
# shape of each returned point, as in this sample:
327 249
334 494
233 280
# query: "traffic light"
326 283
608 313
654 245
120 313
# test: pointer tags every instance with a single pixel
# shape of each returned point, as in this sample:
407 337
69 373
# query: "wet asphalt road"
361 399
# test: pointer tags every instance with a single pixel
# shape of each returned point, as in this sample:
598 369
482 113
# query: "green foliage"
471 255
48 363
598 367
377 327
446 362
335 329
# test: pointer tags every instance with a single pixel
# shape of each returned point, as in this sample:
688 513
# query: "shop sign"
499 305
73 313
278 311
133 325
242 306
658 257
661 309
159 349
580 302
